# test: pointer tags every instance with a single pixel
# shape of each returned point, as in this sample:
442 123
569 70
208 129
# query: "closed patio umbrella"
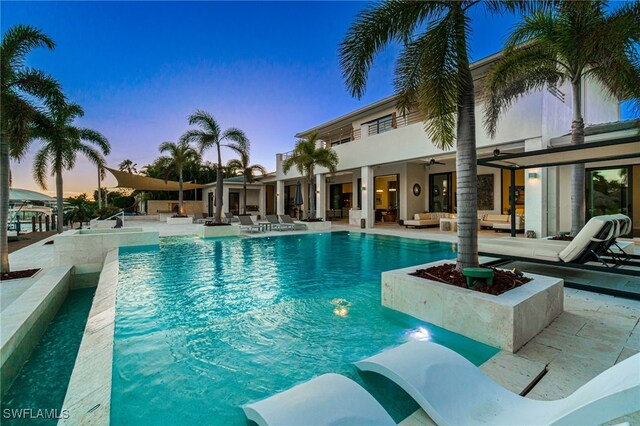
297 199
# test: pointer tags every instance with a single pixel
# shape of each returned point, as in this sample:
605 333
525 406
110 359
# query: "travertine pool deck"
594 332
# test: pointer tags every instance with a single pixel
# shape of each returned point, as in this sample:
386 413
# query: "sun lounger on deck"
451 390
246 224
277 225
286 219
330 399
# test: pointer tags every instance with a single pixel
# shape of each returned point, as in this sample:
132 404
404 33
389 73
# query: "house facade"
389 169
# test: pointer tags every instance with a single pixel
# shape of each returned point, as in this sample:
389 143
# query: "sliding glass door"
609 191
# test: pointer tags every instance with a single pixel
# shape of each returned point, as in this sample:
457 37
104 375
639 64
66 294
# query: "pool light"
421 334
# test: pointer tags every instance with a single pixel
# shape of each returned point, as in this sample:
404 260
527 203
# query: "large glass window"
609 192
387 198
441 194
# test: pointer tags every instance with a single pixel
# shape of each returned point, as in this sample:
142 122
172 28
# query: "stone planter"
218 231
507 321
316 226
179 220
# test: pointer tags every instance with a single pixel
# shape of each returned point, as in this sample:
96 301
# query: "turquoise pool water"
205 326
43 380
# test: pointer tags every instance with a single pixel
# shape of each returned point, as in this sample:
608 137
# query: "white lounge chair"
277 225
453 391
286 219
330 399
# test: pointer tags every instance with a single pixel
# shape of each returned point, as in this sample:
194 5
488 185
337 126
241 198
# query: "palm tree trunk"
466 168
577 170
4 204
312 197
244 197
219 190
59 200
180 196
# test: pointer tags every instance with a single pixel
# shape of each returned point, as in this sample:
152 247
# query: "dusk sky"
140 68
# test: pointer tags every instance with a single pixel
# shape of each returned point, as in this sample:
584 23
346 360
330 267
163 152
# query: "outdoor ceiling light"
390 190
380 190
496 152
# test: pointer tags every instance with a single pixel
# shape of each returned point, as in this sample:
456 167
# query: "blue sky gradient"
140 68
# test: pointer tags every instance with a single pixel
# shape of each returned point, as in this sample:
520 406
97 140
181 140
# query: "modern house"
389 169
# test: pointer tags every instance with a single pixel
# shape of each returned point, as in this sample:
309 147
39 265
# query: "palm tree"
305 157
432 73
62 141
180 154
571 42
247 170
210 135
19 85
128 166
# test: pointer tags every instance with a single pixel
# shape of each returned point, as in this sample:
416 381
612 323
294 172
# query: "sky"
140 68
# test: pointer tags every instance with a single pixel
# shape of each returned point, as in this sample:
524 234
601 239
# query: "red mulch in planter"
562 238
503 281
14 275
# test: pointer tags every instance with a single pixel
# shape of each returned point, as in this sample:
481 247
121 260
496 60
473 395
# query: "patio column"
280 197
535 195
321 196
368 192
225 199
262 201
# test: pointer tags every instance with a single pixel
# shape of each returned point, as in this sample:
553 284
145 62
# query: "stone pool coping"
25 319
88 398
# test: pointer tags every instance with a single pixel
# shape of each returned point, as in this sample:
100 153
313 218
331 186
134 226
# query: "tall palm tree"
244 168
62 141
571 42
210 135
432 73
180 154
19 85
305 157
128 166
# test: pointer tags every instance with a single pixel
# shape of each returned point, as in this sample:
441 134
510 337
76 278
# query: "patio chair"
330 399
246 224
451 390
275 223
230 218
199 217
593 243
285 218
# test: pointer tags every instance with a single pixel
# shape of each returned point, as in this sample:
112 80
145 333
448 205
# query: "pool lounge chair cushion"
426 219
454 391
330 399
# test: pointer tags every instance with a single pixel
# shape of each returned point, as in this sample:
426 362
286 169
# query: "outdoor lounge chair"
451 390
594 242
275 223
230 218
285 218
330 399
199 218
246 224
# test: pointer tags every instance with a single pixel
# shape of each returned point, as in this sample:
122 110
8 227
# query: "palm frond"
240 142
39 84
40 167
18 41
96 138
376 27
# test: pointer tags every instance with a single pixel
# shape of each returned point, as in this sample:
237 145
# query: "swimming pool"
205 326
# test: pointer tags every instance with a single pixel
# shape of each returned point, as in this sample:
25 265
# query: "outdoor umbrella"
297 199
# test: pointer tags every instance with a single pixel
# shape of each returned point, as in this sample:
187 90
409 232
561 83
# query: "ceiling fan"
433 161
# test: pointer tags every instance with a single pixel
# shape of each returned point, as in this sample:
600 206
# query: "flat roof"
590 152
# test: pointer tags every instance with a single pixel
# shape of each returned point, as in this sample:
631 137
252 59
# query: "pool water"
42 382
205 326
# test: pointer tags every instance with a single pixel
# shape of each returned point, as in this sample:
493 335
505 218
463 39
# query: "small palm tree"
571 42
20 86
305 157
433 73
210 135
128 166
247 170
62 141
180 154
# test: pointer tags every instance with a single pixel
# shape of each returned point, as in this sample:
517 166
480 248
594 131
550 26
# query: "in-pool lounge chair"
285 218
330 399
246 224
593 243
277 225
453 391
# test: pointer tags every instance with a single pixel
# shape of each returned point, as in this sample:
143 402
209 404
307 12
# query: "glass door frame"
449 186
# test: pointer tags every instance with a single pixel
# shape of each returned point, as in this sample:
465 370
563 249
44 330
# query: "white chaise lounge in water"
453 391
330 399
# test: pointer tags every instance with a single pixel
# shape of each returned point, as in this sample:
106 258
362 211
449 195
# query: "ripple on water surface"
205 326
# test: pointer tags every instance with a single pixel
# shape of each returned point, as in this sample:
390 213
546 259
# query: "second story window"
380 125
